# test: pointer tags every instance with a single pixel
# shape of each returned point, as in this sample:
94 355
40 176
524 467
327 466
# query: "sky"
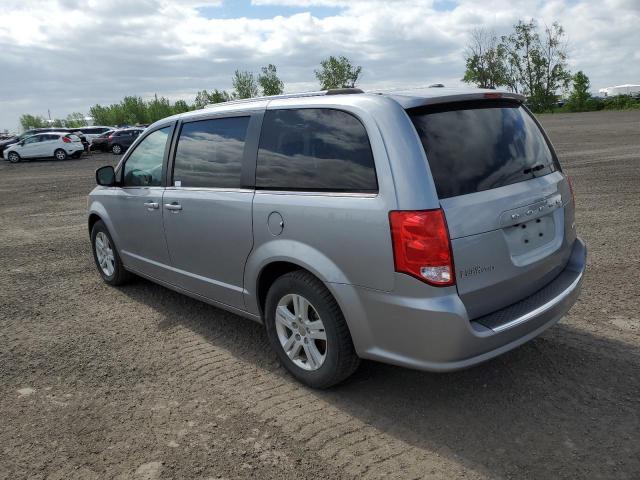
64 56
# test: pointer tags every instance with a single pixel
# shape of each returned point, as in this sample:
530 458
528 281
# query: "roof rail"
332 91
340 91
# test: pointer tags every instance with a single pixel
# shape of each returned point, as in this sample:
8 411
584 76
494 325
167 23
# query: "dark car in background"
101 142
121 140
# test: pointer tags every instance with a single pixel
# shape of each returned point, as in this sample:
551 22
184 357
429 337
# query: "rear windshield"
476 146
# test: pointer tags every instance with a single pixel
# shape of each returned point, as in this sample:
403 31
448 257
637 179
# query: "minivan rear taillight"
421 246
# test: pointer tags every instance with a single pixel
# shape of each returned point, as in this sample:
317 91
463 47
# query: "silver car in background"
432 228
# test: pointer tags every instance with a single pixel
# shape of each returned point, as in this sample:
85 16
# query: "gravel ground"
141 382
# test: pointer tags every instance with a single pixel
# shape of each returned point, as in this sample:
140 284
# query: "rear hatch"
507 203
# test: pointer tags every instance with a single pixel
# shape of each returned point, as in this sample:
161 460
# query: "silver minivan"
429 228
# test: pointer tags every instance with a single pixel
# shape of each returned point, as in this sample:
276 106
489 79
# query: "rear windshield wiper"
533 169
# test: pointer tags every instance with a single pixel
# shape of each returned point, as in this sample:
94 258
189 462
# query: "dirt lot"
141 382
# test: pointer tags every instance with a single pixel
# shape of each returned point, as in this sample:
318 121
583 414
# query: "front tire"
307 330
60 154
13 157
106 256
116 149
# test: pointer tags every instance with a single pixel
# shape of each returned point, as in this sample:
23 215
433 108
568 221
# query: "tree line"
531 60
333 72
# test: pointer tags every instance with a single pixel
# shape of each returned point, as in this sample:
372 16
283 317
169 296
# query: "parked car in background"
27 133
101 142
7 142
428 228
93 132
120 140
58 145
83 139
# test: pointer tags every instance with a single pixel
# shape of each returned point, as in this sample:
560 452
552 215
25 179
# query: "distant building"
627 89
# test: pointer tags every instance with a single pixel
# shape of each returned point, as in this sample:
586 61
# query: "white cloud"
67 55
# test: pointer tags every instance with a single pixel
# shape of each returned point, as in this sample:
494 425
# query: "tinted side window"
209 153
314 149
144 166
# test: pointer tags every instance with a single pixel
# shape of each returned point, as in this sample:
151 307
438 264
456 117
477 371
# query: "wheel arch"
269 274
97 212
92 220
274 258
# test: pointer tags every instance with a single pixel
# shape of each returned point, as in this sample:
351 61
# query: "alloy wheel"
301 332
104 254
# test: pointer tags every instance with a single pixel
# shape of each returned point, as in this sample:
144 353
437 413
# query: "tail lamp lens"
66 139
421 246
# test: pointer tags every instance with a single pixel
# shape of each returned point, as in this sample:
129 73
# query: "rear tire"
106 256
60 154
315 326
13 157
116 149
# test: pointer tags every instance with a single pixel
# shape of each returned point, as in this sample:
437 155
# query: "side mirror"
106 176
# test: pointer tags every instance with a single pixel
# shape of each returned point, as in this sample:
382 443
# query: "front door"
136 208
31 147
207 215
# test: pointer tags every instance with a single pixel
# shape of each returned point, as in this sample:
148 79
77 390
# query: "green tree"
135 110
202 99
57 123
269 81
100 115
337 73
219 96
485 60
32 121
75 120
536 64
580 95
180 107
244 84
158 108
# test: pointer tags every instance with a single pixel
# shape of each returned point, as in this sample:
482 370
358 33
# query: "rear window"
314 149
476 146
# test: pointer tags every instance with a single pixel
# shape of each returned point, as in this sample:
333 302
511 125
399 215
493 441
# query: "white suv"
59 145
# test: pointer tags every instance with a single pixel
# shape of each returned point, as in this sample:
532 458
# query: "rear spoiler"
417 101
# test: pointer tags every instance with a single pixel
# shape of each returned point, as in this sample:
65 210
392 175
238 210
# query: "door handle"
174 207
151 205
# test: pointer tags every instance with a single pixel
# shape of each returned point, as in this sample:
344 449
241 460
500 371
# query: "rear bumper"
74 148
434 333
